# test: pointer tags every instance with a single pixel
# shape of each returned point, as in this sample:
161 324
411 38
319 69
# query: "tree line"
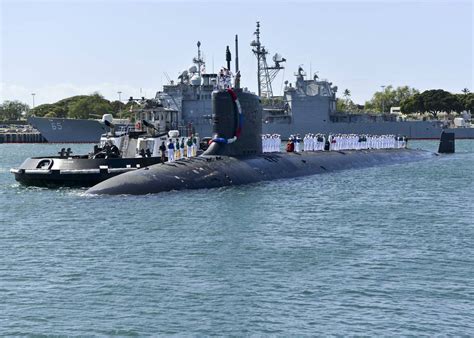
80 107
436 101
410 100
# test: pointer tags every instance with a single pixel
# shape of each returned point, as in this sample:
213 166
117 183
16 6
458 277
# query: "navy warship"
307 106
235 156
66 130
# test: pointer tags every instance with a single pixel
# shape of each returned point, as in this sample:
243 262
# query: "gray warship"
66 130
235 155
308 106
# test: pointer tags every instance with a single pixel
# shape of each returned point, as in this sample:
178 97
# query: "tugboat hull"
76 172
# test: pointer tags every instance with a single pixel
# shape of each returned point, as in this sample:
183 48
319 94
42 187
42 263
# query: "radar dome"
193 69
278 58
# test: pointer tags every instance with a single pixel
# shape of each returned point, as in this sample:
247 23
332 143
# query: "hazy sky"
58 49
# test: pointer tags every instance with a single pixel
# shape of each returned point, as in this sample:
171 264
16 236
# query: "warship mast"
265 74
198 61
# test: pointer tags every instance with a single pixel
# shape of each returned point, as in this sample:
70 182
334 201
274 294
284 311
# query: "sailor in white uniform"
297 143
170 147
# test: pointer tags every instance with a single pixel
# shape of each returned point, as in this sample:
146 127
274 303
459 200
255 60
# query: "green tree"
438 100
80 109
117 107
80 106
48 110
389 97
347 94
433 101
341 105
92 106
413 105
467 101
12 110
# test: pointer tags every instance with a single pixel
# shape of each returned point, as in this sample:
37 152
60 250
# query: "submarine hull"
211 171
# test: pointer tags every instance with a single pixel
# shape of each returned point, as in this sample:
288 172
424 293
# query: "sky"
58 49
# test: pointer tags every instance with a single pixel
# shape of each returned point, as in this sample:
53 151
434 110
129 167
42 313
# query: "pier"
21 137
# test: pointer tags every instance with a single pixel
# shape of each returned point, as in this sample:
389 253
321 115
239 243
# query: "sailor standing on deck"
189 147
276 143
311 142
297 143
195 146
221 80
176 149
170 150
181 147
162 151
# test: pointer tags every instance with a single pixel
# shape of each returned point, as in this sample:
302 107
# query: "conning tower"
244 123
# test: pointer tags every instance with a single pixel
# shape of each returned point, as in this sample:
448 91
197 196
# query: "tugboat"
115 154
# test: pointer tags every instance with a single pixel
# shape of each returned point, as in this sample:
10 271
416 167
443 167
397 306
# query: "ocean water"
378 251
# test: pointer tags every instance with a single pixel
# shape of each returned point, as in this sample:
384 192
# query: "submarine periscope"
235 156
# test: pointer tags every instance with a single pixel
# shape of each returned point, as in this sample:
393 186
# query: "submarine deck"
210 171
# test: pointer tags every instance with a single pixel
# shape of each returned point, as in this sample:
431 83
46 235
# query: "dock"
21 137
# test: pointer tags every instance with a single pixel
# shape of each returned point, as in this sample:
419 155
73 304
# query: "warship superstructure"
308 106
235 156
185 105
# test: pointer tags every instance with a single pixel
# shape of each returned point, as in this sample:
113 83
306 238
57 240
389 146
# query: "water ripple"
378 251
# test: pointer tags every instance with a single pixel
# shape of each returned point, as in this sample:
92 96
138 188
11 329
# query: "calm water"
376 251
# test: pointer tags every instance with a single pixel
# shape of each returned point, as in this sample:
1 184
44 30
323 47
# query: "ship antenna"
199 61
236 54
228 57
265 74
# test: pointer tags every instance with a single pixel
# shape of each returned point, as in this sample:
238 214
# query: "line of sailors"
319 142
176 149
271 143
314 142
357 142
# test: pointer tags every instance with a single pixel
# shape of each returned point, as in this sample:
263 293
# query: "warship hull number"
56 126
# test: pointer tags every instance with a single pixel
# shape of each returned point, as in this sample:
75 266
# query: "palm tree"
347 98
465 90
347 94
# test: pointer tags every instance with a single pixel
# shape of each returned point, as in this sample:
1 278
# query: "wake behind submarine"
235 155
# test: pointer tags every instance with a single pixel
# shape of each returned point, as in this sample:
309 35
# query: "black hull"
210 171
56 172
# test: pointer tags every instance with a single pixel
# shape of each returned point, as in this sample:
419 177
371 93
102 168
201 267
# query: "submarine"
235 155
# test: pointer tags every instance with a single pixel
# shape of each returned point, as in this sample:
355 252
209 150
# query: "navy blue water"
386 250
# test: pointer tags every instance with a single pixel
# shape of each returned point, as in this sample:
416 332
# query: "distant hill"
82 106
